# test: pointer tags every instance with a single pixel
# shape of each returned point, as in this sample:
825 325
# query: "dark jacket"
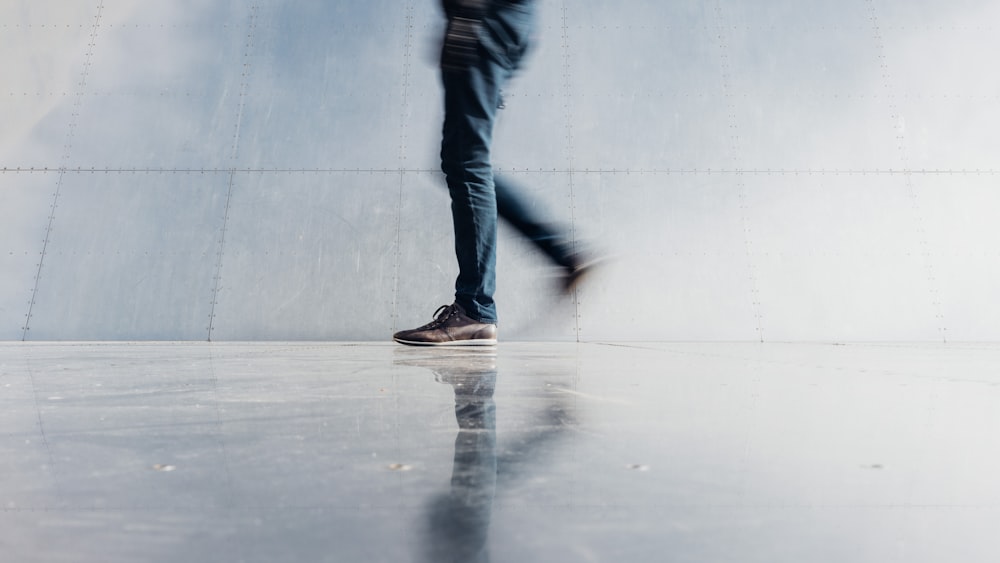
470 9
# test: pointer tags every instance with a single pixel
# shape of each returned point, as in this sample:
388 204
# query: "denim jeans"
471 99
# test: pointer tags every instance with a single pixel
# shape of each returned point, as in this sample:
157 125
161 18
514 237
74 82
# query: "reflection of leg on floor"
524 452
460 519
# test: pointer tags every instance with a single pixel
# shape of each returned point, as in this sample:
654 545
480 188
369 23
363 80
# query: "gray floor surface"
272 452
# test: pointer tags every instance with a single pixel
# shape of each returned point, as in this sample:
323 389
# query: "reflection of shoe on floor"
450 327
450 365
471 361
471 372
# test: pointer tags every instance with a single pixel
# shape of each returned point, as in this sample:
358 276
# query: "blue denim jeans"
471 99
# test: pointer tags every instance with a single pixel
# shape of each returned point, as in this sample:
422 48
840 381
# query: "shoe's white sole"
481 342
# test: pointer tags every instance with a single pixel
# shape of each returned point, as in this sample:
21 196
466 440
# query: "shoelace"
443 313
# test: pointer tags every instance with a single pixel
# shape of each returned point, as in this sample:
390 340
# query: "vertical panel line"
899 129
234 159
67 150
403 142
570 160
734 149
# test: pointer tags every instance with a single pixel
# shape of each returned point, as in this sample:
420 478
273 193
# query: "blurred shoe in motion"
582 267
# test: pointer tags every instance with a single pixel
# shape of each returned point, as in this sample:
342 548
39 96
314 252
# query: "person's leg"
472 95
507 36
471 98
555 242
472 78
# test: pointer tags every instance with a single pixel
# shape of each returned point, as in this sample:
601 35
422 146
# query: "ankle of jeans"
470 311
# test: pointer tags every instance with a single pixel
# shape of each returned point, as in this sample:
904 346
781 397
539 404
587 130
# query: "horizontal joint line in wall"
679 171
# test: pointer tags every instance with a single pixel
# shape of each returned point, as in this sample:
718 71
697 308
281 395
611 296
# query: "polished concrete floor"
274 452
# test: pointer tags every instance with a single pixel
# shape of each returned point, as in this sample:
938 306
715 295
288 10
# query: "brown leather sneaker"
450 327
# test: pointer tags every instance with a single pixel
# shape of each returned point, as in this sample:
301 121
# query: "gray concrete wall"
768 170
